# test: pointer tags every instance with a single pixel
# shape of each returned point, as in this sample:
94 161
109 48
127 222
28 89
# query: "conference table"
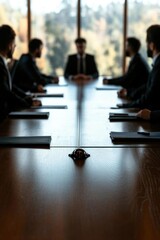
114 194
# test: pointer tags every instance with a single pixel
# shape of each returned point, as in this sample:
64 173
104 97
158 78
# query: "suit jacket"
27 75
136 75
9 100
135 93
72 69
155 116
151 98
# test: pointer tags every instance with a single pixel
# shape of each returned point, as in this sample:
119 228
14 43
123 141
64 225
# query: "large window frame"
125 16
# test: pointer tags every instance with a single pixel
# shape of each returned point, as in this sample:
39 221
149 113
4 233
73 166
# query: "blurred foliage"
19 22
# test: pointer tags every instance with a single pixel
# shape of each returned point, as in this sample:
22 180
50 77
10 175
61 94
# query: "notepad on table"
50 107
135 136
28 115
123 117
48 95
26 141
108 87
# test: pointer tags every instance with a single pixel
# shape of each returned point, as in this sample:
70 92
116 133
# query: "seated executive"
135 80
27 76
81 65
151 98
10 100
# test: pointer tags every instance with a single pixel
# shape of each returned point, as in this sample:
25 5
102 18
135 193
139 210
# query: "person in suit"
151 98
81 65
9 99
135 79
27 76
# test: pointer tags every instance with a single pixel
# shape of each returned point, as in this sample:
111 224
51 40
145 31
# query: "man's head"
153 40
35 47
132 46
81 45
7 41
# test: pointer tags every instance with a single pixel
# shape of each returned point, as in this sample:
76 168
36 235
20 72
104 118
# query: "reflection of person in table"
81 66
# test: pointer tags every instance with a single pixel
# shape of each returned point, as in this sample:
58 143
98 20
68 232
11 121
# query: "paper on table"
123 116
108 87
26 141
135 136
48 95
50 107
24 115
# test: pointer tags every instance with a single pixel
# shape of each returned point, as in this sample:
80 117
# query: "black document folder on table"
50 107
123 117
26 141
135 136
29 115
49 95
108 87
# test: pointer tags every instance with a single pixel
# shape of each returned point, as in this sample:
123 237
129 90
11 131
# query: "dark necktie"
81 68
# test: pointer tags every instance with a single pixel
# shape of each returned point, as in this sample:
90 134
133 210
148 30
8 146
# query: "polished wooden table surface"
114 194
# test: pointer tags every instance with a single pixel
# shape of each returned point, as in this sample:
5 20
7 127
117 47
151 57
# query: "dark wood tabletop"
114 194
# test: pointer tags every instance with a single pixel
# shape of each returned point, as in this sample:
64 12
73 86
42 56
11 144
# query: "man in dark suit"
135 79
27 76
9 100
151 98
81 65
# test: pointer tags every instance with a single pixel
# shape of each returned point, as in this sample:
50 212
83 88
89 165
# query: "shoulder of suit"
139 58
72 55
25 57
89 55
157 62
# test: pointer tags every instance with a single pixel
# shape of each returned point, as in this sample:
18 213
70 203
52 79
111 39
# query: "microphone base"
79 154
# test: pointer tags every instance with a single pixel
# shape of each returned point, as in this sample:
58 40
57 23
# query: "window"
102 26
55 23
142 14
14 13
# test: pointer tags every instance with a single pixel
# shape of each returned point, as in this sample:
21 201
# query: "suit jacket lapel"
131 64
151 76
9 81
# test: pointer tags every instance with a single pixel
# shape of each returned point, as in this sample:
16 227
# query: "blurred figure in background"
9 99
27 75
135 80
81 65
151 97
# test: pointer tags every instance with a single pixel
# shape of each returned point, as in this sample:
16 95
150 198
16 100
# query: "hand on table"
144 114
105 80
55 80
36 103
40 88
122 93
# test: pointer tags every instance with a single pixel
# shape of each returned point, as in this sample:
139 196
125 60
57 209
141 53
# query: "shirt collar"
83 56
